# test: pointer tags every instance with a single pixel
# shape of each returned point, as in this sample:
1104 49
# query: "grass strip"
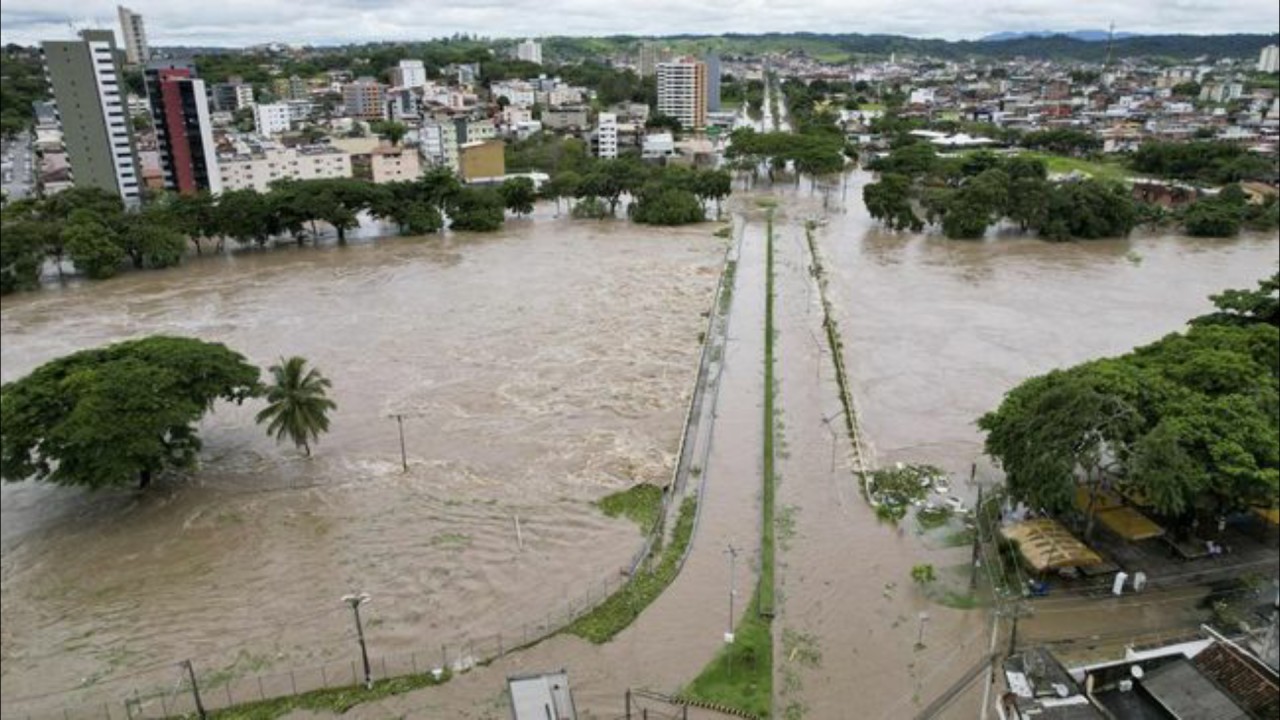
338 700
622 607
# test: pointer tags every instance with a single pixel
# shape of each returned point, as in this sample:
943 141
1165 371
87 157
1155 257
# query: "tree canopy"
117 414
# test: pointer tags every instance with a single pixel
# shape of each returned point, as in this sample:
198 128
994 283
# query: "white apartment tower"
682 92
409 74
135 36
607 135
271 118
529 51
1269 59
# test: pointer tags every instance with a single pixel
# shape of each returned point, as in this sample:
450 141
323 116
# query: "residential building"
607 135
184 134
256 168
290 88
650 56
529 51
658 145
519 93
713 82
135 36
441 138
565 118
482 160
409 74
394 164
682 92
271 118
233 95
85 77
365 99
1269 59
404 104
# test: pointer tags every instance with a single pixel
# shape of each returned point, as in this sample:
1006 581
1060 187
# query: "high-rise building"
529 51
85 77
233 95
1269 59
713 81
607 135
650 56
365 99
135 36
184 135
682 92
409 74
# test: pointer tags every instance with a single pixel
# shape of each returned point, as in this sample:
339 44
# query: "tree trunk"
342 235
306 448
144 479
196 241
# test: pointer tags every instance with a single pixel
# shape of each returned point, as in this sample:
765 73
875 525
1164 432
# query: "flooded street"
536 369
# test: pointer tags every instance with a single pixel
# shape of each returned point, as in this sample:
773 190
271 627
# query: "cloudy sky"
244 22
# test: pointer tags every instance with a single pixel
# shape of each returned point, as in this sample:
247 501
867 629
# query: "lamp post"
355 601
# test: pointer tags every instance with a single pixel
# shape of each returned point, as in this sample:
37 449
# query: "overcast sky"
247 22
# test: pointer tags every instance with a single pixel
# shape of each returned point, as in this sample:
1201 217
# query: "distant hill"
1084 35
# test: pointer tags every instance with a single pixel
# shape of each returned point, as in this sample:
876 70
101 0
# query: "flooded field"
536 370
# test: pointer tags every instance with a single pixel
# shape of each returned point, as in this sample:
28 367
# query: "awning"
1045 544
1271 515
1118 517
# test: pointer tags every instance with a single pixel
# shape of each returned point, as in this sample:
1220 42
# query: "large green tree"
116 414
297 403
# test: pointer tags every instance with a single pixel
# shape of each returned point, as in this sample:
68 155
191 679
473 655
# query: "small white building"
271 118
261 166
529 51
658 145
607 135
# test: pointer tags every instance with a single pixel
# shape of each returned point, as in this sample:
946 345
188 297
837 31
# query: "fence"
155 697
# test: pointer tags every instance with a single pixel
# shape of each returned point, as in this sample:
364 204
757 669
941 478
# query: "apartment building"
272 119
1269 59
365 99
607 135
713 81
184 134
232 95
290 88
409 74
682 92
441 137
85 78
257 167
134 33
529 51
394 164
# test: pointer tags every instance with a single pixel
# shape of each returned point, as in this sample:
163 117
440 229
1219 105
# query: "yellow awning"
1271 515
1130 524
1046 544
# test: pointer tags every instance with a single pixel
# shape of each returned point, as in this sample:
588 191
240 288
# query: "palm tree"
296 403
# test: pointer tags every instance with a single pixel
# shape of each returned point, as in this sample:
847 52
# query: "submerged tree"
296 403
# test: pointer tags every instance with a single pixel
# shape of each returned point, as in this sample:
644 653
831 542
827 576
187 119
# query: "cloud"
245 22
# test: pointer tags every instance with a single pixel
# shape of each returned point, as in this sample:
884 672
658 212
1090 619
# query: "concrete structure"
658 145
409 74
290 88
441 139
232 95
650 56
394 164
134 33
713 81
542 696
272 118
481 160
565 118
529 51
257 167
365 99
607 135
1269 59
519 93
85 77
682 92
184 134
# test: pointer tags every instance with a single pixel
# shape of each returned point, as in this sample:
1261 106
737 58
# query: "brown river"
537 370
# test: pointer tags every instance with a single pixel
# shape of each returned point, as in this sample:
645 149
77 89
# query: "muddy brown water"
537 369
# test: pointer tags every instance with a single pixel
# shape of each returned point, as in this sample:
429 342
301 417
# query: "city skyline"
334 22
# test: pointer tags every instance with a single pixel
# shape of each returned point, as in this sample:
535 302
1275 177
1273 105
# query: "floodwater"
536 369
937 330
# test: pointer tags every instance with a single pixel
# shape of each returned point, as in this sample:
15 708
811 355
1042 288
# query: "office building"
135 36
682 92
409 74
85 77
272 118
365 99
184 135
607 135
713 82
529 51
1269 59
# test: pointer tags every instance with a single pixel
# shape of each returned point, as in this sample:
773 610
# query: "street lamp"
355 601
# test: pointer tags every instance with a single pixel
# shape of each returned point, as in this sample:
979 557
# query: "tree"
476 209
297 405
389 130
713 185
245 216
667 206
116 414
1087 209
923 574
22 251
889 201
1245 307
150 241
1212 217
518 195
92 249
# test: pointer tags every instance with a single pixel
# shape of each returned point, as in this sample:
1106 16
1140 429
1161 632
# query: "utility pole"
355 601
977 544
195 689
733 557
404 460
